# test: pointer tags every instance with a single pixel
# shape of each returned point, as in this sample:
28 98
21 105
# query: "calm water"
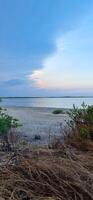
46 102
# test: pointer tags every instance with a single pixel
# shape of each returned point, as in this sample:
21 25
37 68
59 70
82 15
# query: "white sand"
38 121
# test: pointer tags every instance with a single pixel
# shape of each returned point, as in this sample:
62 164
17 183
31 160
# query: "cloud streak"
14 82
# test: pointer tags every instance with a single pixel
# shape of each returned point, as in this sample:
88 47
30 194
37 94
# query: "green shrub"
82 115
6 124
58 111
89 115
81 123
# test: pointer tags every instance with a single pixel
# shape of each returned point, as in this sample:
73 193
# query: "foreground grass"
62 171
43 174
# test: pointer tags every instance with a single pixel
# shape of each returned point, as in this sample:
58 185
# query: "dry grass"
48 175
74 140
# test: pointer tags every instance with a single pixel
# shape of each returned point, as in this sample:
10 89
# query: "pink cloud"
36 76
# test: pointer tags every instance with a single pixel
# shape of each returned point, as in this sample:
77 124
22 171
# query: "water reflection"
46 102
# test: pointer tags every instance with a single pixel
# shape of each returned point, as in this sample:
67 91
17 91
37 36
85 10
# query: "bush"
58 111
81 124
82 115
6 124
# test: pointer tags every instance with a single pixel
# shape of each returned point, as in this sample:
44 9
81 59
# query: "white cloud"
70 67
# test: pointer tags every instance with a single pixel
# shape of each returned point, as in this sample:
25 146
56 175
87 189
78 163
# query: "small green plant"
58 111
6 124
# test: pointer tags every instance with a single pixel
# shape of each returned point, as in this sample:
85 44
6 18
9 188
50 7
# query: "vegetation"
81 126
6 124
58 111
62 172
44 174
83 115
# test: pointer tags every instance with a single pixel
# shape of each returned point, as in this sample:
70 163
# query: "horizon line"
65 96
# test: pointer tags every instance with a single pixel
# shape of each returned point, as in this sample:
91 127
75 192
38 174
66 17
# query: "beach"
38 121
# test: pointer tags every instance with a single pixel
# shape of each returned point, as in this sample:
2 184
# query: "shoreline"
34 107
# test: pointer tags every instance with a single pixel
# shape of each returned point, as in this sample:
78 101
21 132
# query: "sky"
46 47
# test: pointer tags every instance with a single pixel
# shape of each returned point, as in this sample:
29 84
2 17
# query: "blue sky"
46 47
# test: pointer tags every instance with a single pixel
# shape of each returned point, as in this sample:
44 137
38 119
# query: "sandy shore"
38 121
